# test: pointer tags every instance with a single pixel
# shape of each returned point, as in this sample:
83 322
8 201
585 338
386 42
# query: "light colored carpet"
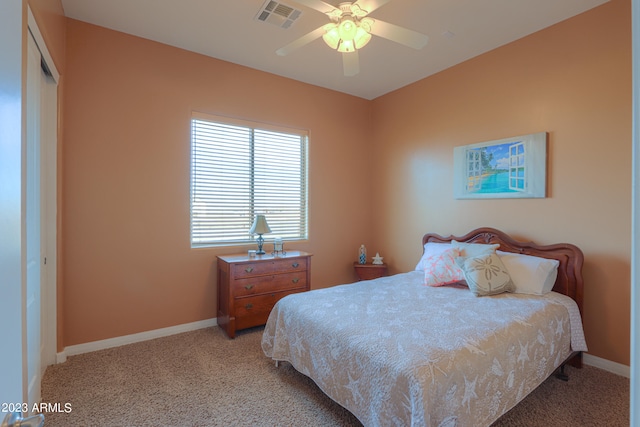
202 378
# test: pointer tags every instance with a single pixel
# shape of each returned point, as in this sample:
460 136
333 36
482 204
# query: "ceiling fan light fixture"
362 38
348 35
331 36
350 29
366 24
347 29
357 11
346 46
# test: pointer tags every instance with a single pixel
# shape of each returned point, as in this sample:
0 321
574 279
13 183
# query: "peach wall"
127 259
572 80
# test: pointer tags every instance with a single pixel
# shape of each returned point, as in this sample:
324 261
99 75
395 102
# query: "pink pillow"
440 268
430 249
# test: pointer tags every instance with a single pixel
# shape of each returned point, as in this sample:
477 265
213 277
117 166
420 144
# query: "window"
240 169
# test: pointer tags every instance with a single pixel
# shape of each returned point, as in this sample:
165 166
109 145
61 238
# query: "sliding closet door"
40 195
33 206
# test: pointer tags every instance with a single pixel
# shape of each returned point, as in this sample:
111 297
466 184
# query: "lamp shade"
361 38
331 36
346 46
260 225
347 29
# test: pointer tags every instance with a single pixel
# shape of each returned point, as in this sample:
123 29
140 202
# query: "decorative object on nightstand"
260 227
377 260
248 288
369 271
362 257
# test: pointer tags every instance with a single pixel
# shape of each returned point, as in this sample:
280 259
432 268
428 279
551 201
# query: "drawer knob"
248 269
295 265
248 287
248 306
295 280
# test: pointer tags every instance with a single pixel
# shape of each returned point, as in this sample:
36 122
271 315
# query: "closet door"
33 199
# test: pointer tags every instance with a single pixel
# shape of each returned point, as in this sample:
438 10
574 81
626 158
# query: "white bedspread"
395 352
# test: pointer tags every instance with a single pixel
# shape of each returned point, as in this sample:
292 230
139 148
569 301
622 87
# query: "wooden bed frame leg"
561 375
575 360
277 363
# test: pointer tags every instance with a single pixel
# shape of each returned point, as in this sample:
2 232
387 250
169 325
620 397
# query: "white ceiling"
227 30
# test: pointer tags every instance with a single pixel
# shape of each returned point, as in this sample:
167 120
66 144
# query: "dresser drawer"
260 268
253 311
266 284
248 287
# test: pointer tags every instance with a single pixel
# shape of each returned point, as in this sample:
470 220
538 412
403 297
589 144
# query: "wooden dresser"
248 288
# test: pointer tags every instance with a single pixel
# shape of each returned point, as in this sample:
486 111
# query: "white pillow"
530 274
474 249
431 249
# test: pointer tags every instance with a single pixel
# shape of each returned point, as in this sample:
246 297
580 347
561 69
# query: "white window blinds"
240 169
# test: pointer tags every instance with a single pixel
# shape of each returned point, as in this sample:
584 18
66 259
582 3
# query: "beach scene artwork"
507 168
496 168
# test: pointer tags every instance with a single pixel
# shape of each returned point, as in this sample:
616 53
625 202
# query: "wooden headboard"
569 281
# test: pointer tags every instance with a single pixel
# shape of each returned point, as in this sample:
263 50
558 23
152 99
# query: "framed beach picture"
507 168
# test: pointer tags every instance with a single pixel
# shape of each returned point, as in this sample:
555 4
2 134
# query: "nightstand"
370 271
249 287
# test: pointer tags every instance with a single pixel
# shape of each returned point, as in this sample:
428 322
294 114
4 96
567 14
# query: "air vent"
277 13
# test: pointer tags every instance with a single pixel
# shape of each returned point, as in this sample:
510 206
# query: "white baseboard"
607 365
133 338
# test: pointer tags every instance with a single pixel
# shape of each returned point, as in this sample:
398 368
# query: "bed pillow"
530 274
486 275
440 268
430 249
474 249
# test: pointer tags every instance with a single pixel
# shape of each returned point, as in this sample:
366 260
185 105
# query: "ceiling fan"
351 28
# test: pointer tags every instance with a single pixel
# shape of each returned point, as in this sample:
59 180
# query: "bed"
395 351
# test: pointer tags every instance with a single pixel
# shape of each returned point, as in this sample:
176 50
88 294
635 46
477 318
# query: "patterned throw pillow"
440 268
486 275
430 249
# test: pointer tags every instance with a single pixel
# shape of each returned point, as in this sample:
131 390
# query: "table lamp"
260 227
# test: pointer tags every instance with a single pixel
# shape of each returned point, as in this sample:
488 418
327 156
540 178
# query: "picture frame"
506 168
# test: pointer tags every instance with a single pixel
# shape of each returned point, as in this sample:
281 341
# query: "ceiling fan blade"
318 5
350 63
297 44
399 35
371 5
